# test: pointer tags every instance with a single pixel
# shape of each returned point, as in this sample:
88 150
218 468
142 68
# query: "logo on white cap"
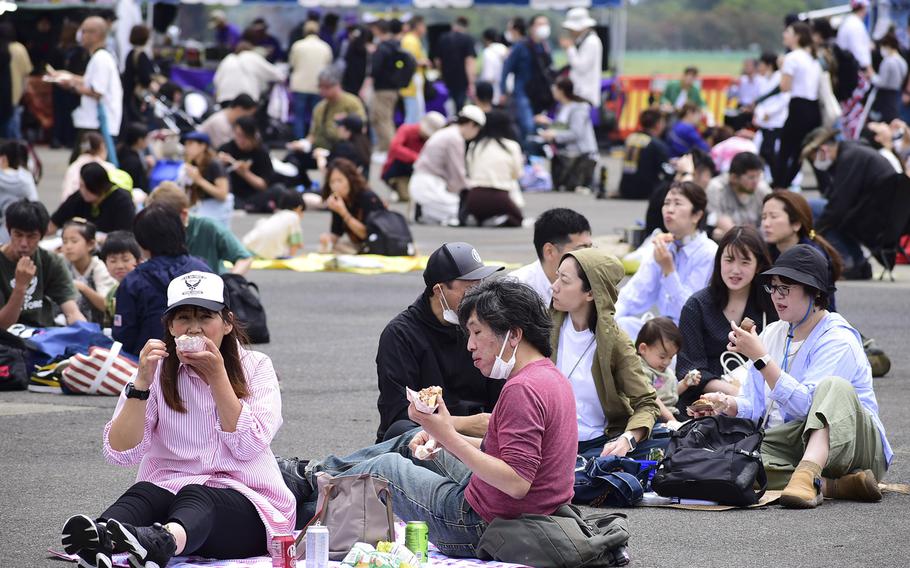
194 286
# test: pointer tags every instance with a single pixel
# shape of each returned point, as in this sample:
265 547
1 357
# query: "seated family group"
536 368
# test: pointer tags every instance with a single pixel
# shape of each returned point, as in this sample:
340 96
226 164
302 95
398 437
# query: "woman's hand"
208 363
721 404
193 173
746 342
663 257
336 205
617 447
153 351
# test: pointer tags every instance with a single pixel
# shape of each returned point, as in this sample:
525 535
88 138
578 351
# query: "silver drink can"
317 546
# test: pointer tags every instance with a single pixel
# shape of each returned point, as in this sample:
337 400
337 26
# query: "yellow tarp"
357 264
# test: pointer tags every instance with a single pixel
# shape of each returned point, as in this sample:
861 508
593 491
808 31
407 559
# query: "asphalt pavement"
325 328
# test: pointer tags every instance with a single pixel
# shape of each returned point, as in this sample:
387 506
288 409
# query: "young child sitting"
90 275
658 342
120 253
280 235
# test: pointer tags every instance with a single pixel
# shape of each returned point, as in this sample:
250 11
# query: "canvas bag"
715 458
101 371
827 102
350 506
564 539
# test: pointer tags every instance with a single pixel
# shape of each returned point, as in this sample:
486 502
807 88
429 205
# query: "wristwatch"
630 437
133 392
760 363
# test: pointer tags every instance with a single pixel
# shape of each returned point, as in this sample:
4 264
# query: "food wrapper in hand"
190 343
427 450
419 404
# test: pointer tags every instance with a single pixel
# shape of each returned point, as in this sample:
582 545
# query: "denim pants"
660 438
524 114
304 103
430 491
414 109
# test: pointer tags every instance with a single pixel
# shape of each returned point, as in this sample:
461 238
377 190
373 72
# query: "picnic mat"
355 263
769 498
436 559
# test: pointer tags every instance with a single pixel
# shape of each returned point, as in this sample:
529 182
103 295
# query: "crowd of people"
559 359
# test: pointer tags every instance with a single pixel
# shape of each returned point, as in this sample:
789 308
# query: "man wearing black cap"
856 170
422 346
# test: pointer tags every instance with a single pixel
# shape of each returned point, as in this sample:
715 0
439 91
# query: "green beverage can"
417 539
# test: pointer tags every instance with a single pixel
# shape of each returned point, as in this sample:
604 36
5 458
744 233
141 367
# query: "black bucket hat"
803 264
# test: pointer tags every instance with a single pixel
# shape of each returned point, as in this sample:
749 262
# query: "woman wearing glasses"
810 386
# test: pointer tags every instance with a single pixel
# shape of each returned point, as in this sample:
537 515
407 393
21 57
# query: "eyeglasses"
782 291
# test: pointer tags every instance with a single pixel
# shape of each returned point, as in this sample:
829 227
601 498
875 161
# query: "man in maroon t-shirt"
526 461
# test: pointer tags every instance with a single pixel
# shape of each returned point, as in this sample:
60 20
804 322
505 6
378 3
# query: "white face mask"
542 33
509 37
502 369
79 36
822 165
448 314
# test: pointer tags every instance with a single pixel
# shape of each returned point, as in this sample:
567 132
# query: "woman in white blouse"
494 163
800 77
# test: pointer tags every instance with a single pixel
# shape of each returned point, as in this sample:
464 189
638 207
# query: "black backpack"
400 66
564 539
388 234
14 369
715 458
243 299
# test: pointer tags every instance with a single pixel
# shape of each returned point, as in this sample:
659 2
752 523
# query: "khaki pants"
855 442
382 118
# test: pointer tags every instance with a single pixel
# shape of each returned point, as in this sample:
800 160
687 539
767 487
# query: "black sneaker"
148 547
88 540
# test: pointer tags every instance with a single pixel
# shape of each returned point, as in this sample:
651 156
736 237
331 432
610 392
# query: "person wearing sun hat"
584 51
809 385
198 391
440 173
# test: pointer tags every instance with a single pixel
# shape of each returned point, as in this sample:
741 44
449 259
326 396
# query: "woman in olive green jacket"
615 403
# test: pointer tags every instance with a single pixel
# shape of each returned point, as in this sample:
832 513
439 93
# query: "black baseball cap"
456 261
803 264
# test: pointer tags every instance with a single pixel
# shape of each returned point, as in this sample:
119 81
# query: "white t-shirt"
272 237
575 358
852 36
103 77
534 276
494 57
806 73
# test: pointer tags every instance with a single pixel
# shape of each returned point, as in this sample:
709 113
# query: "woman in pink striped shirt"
198 420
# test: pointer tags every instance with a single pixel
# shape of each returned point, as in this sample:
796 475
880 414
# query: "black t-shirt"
453 49
363 205
417 351
114 213
132 163
213 171
355 69
261 166
644 168
52 285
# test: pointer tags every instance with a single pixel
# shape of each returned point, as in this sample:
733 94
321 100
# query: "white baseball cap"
474 114
202 289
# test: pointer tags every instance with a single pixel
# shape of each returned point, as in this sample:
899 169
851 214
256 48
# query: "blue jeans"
459 96
12 128
430 491
414 109
304 103
848 247
524 114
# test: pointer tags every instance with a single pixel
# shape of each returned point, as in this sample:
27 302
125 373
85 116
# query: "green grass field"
673 62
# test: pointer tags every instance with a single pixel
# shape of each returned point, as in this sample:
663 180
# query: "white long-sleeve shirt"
853 37
694 264
772 112
585 67
247 73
